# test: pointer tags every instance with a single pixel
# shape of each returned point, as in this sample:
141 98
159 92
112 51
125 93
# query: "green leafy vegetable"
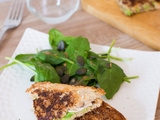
45 72
23 64
68 115
52 56
56 36
110 76
80 46
94 63
72 58
25 58
72 68
92 83
110 79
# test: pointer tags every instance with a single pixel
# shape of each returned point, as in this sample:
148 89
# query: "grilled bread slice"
130 7
104 112
61 101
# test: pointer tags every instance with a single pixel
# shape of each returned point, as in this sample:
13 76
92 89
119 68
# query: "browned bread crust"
104 112
63 87
54 100
131 3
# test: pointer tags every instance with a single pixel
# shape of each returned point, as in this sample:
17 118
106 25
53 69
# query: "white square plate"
136 100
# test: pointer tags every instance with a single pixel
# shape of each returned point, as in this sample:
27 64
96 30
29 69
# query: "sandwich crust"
131 3
63 87
52 101
104 112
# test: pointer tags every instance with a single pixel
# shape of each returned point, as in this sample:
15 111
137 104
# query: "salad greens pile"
70 61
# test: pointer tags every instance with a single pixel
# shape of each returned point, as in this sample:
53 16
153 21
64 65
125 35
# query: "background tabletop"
80 24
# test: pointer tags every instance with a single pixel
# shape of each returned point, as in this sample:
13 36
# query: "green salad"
70 61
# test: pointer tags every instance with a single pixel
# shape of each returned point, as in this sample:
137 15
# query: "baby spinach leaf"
110 79
25 58
88 81
90 71
92 82
92 55
56 36
68 115
45 72
72 68
85 82
52 56
21 63
94 63
90 75
93 60
79 46
84 79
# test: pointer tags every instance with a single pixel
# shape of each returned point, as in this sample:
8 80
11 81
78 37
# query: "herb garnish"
70 61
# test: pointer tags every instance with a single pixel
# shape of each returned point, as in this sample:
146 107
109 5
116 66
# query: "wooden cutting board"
144 27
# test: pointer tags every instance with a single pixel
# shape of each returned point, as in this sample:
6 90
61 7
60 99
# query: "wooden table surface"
81 23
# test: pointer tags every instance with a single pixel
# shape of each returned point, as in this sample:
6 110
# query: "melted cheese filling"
81 108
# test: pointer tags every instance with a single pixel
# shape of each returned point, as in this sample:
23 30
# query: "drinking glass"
53 11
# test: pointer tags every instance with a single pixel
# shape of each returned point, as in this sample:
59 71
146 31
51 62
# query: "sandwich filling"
82 110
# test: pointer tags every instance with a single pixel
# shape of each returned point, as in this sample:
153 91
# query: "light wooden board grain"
144 27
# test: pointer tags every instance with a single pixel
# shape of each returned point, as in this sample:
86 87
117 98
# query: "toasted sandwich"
104 112
69 102
130 7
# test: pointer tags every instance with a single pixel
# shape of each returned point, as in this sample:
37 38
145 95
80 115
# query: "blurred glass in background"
53 11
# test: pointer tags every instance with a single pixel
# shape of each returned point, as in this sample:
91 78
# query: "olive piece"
59 70
61 46
65 78
80 60
81 71
72 81
108 65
